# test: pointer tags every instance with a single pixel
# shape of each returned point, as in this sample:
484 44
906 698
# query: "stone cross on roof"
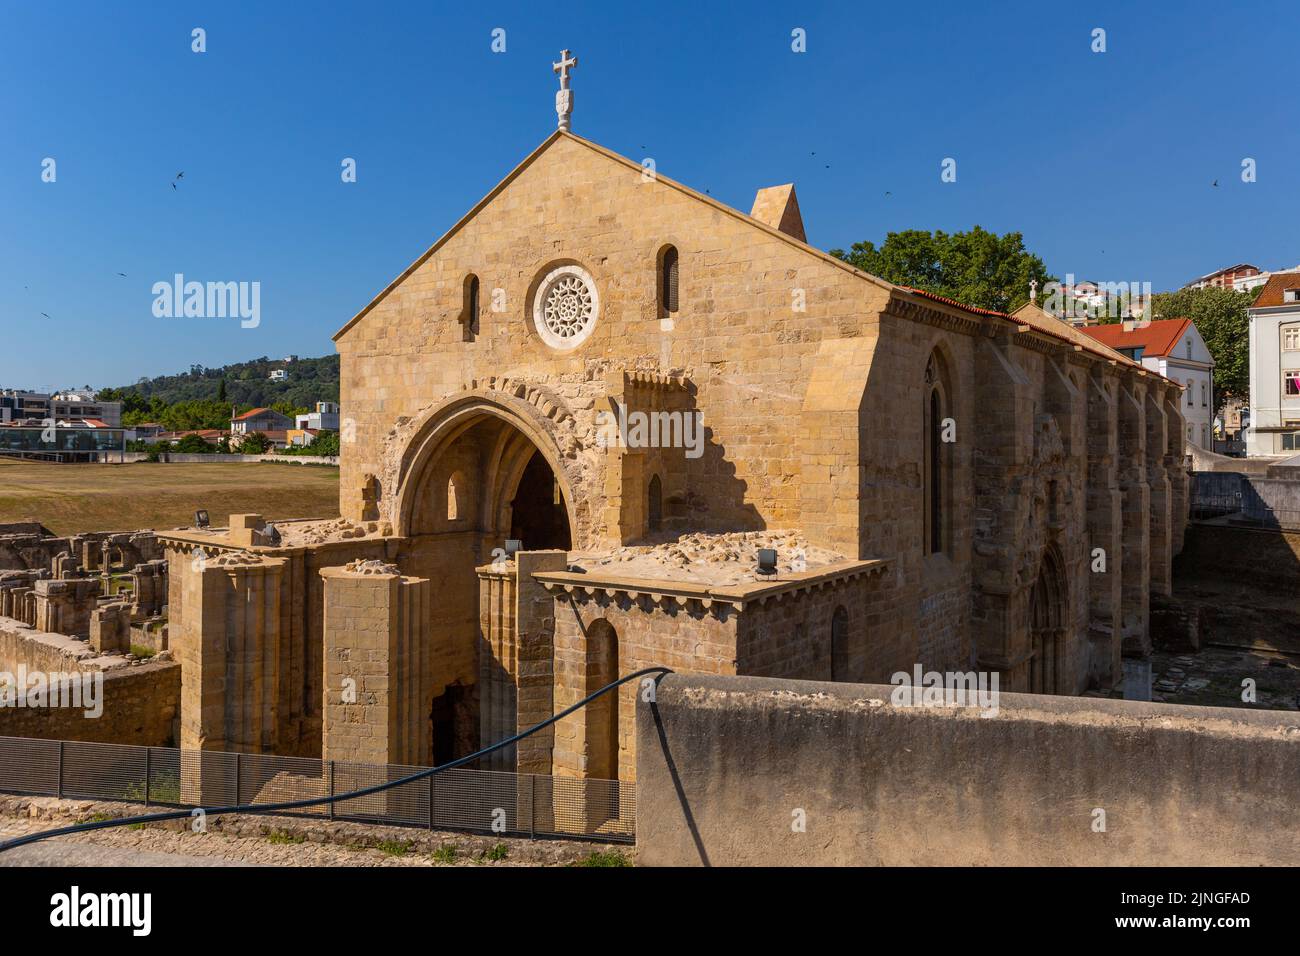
564 96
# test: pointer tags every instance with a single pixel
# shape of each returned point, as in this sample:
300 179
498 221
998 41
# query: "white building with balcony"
1275 368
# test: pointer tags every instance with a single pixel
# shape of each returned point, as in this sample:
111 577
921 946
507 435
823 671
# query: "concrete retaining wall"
728 767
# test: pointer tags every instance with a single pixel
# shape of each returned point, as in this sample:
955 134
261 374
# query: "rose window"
566 307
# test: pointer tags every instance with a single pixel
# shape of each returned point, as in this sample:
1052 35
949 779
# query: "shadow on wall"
703 493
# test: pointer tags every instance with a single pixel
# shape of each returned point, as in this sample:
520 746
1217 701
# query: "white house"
325 418
1175 349
1274 427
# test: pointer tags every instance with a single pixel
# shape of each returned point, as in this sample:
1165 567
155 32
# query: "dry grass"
69 499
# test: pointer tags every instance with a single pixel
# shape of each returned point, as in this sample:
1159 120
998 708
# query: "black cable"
316 801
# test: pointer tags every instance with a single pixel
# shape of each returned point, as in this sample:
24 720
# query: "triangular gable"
629 164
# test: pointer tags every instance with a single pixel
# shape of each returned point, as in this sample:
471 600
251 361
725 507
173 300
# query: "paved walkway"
255 840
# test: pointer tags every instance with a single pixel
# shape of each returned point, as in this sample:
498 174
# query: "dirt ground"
239 839
74 498
1252 633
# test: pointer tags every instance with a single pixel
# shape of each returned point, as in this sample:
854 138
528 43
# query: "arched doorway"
538 519
476 476
502 471
1046 626
602 714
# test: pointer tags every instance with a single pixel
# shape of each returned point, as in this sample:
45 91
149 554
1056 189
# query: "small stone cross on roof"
566 63
564 96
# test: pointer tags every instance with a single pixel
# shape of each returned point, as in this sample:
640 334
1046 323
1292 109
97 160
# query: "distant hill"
310 380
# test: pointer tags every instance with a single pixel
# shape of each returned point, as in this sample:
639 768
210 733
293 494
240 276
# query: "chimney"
776 206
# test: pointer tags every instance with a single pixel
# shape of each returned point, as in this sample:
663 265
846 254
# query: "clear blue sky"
1103 161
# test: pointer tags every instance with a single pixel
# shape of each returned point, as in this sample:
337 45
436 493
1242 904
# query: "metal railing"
462 799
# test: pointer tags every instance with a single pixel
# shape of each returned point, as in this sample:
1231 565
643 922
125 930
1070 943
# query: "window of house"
1205 398
668 281
1189 348
938 458
1291 382
469 315
1291 295
454 485
1291 441
1291 338
1190 390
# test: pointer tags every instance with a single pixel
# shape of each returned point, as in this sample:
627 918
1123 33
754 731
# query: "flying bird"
1215 184
180 175
46 314
122 274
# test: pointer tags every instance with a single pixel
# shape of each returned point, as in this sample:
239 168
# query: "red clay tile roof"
1043 323
961 305
1270 294
1156 338
1218 272
256 413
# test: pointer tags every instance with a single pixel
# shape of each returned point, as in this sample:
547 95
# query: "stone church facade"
942 485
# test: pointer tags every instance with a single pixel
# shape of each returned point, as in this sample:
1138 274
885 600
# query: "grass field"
69 499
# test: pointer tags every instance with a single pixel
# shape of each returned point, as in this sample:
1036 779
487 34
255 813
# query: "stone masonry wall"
727 766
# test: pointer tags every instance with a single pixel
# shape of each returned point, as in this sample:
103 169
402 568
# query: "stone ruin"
80 586
28 546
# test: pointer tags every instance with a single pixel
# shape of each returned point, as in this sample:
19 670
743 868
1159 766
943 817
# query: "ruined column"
91 552
64 607
64 565
110 629
535 622
378 686
229 650
497 661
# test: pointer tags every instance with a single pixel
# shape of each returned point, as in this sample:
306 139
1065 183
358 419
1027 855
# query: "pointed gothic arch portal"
477 474
1048 662
485 474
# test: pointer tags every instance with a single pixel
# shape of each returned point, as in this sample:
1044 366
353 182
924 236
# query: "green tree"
221 391
254 443
193 445
978 268
1220 317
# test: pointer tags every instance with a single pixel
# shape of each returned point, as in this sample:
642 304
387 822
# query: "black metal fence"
475 801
